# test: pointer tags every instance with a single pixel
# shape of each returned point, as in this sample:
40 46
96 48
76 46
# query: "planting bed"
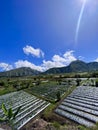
81 106
31 106
49 91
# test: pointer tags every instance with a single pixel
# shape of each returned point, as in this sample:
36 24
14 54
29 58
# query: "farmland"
34 96
81 105
49 91
30 106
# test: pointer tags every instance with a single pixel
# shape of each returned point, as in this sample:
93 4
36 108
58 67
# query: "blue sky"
41 33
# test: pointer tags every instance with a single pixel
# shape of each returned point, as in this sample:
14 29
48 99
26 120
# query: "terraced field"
81 106
31 106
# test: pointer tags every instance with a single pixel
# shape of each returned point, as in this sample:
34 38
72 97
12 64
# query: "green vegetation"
58 96
78 82
10 85
50 91
56 125
85 128
75 67
9 115
96 83
20 72
48 114
53 88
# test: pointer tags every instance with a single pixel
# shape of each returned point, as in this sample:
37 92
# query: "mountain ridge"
18 72
75 66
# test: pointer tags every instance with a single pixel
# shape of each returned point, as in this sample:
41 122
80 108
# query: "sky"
43 34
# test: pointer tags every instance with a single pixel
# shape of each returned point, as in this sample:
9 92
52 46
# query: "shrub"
96 83
58 96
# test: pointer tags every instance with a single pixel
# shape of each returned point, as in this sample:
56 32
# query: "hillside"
75 66
23 71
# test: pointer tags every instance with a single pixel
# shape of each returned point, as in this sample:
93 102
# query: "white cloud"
51 64
34 52
56 61
81 58
5 66
25 63
59 61
96 60
69 57
57 58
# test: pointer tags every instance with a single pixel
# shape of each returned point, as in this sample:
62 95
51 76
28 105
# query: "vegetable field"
81 106
49 91
30 106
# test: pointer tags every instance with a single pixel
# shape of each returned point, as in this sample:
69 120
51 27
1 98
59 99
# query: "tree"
38 82
78 82
58 96
97 83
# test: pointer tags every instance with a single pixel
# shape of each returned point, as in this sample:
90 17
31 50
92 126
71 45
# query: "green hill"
19 72
75 66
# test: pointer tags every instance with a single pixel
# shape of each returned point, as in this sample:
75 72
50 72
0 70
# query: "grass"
56 125
6 90
85 128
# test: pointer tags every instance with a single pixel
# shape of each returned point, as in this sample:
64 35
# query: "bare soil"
4 126
46 123
41 124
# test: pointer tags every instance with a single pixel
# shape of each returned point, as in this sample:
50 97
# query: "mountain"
93 65
78 66
23 71
75 66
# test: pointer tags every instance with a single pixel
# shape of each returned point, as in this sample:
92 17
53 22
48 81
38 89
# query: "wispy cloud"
34 52
5 66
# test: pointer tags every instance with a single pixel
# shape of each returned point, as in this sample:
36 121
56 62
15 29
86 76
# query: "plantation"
81 106
30 106
33 95
49 91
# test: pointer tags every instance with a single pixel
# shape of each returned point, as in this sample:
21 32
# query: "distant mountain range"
75 66
23 71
